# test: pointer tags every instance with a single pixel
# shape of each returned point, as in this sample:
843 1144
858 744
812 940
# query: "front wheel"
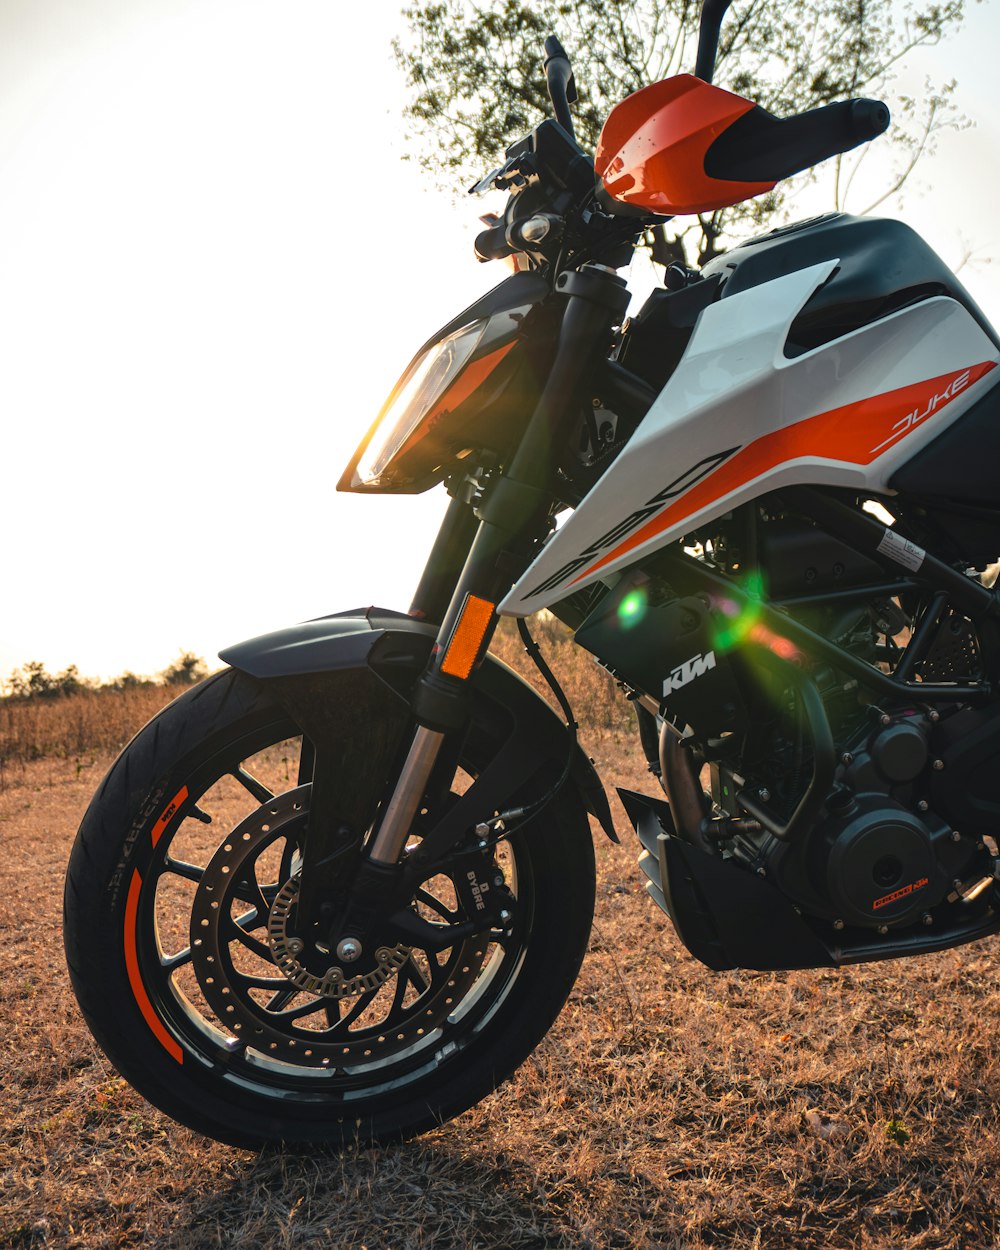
180 886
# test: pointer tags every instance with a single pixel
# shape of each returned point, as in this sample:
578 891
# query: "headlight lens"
413 406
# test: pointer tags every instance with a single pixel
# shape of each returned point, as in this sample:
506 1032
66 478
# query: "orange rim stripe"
463 650
169 812
132 965
857 433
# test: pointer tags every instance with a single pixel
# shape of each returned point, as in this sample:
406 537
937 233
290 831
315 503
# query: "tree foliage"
477 82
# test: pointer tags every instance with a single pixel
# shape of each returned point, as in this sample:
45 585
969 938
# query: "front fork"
513 519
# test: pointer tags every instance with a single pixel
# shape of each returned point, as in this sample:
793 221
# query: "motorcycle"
339 891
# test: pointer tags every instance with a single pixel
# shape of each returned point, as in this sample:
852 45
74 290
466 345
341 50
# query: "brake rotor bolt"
764 794
838 924
957 884
927 918
847 758
885 719
955 836
483 830
933 716
295 946
761 872
938 765
348 949
498 879
883 929
922 805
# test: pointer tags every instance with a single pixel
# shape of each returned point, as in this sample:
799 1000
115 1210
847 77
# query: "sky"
214 264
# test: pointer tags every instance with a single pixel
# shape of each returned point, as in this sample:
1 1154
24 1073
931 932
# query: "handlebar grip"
759 147
553 49
492 244
868 119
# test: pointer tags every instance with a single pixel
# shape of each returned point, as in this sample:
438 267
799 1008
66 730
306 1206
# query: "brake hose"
523 814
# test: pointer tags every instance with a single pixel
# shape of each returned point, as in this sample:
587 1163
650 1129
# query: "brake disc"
269 1001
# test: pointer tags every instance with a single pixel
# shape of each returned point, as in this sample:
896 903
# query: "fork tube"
512 521
406 797
447 557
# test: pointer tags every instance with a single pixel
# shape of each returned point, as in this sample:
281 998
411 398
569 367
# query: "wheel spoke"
334 1033
409 974
415 975
261 981
249 890
281 1000
399 993
249 782
173 962
245 938
304 1009
179 868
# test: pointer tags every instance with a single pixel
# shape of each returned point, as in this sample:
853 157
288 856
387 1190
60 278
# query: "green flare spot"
632 609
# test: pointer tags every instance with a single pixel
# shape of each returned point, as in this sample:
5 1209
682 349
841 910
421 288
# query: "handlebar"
712 13
560 82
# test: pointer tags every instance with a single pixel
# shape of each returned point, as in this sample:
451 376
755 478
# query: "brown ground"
668 1108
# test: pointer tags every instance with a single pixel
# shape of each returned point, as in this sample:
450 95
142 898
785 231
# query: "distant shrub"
185 670
33 681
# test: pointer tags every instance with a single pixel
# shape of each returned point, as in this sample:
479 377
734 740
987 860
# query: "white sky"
213 266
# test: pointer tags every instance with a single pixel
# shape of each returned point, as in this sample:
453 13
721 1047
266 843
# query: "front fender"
378 652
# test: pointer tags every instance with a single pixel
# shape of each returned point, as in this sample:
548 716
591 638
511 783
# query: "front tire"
190 1003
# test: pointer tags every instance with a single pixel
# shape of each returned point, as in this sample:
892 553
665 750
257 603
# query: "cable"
523 814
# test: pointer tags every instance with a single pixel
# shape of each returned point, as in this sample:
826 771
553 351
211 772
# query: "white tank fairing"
738 419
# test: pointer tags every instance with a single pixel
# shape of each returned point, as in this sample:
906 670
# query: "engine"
880 857
901 800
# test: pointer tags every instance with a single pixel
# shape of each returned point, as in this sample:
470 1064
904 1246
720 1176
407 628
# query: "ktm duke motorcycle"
339 891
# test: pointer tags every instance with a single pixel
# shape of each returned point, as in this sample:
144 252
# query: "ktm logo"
905 424
697 666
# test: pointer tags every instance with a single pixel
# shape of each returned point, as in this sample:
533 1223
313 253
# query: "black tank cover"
884 266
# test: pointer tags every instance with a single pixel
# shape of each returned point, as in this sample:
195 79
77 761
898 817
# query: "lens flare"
743 624
632 608
740 621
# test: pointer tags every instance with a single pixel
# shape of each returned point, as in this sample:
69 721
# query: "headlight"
423 396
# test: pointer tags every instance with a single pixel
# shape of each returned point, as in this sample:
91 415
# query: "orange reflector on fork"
468 637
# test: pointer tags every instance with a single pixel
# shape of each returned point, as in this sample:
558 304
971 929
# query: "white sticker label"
900 549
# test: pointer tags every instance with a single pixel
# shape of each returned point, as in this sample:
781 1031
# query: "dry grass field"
670 1107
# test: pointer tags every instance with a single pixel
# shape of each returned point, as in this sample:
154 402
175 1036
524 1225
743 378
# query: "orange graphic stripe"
135 979
467 383
856 433
168 813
